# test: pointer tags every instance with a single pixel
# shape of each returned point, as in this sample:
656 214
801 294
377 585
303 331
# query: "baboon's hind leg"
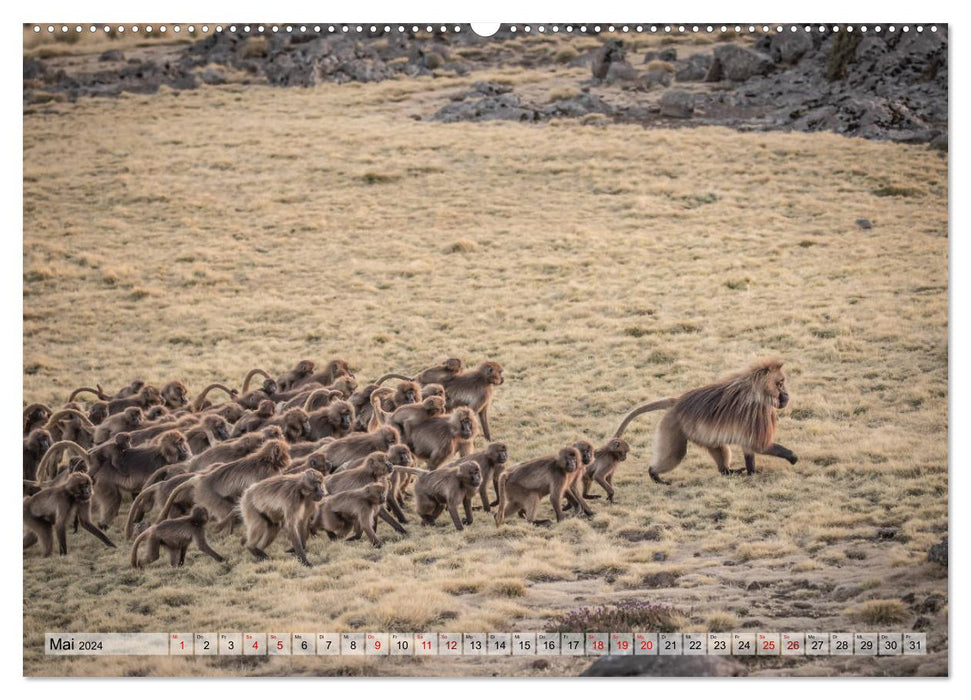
670 447
722 454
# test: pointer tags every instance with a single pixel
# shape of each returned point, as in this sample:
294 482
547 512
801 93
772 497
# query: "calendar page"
439 349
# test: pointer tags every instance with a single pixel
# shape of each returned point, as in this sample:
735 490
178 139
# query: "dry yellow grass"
199 234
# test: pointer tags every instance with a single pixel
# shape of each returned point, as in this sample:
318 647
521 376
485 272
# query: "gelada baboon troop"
314 451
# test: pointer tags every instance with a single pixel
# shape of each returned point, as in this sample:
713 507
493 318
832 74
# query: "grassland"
196 235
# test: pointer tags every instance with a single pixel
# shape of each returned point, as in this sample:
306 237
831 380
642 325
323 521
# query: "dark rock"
662 579
864 223
789 47
751 624
34 68
909 598
696 68
112 55
621 72
922 623
652 534
665 666
887 533
677 103
931 603
489 88
578 106
659 556
757 585
656 77
213 76
729 562
540 664
499 107
938 553
738 63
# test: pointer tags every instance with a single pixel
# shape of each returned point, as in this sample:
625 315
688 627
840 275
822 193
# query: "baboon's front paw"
793 459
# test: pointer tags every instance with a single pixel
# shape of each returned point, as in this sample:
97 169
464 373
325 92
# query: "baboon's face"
180 447
152 395
408 394
453 365
377 493
586 452
273 433
400 455
220 429
499 453
175 395
79 487
569 459
380 466
390 436
200 516
433 390
465 425
134 416
776 387
304 368
619 448
338 367
494 373
471 474
43 441
345 419
270 386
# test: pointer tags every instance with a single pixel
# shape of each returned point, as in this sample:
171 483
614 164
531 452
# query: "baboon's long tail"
134 549
414 471
137 511
249 377
646 408
53 455
501 512
174 496
197 404
392 375
88 390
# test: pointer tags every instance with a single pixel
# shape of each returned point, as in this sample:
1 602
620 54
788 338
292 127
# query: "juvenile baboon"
155 495
327 376
353 447
295 424
445 488
207 432
75 465
35 416
428 390
376 467
133 468
288 380
254 420
572 492
252 373
134 386
603 466
175 395
399 456
175 535
125 422
234 449
230 410
351 511
333 420
492 463
109 453
345 384
147 396
36 445
474 389
302 449
252 399
405 417
522 488
364 409
201 403
739 410
52 509
285 502
437 438
71 424
220 489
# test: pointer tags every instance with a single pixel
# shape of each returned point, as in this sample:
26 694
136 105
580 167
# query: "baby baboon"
399 456
52 509
740 410
175 535
350 448
333 420
108 454
445 488
474 389
436 438
439 374
206 433
155 495
572 492
36 445
295 424
289 380
131 471
492 462
254 420
175 395
360 401
35 416
351 511
522 488
287 501
134 386
75 465
220 489
99 411
47 468
405 417
603 466
147 396
201 402
71 424
125 422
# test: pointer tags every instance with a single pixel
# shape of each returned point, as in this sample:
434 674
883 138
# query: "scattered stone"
729 562
502 107
611 52
659 556
695 69
931 604
668 55
111 55
621 72
938 553
789 47
857 554
864 223
757 585
738 64
662 579
909 598
540 664
843 593
213 76
922 623
665 666
750 624
653 78
489 88
677 103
